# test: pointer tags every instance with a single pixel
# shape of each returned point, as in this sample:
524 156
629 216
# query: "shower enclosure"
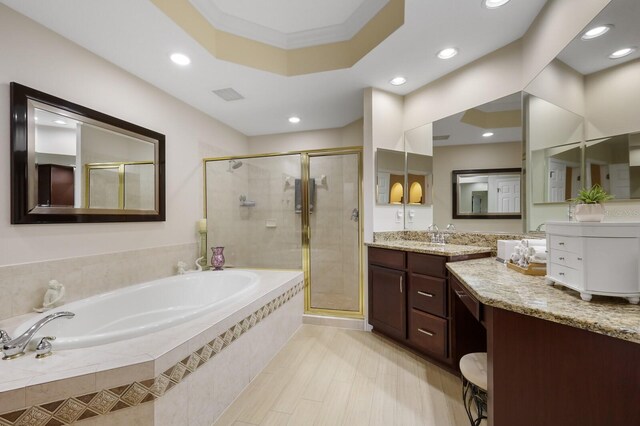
297 210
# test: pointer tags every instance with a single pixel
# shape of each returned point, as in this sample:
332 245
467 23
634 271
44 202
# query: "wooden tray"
538 269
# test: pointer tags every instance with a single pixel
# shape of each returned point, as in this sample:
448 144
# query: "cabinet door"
387 301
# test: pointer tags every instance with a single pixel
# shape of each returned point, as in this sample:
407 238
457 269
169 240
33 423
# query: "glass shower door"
333 193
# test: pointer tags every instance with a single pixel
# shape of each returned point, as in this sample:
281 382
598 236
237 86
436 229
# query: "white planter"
589 212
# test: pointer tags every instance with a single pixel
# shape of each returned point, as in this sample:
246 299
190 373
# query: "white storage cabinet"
598 258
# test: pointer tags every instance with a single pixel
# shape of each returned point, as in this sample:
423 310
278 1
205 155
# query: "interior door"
556 182
619 180
509 196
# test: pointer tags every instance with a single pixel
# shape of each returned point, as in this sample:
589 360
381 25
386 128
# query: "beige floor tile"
332 376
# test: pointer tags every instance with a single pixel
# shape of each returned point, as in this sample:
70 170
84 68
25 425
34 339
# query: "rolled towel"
534 242
538 258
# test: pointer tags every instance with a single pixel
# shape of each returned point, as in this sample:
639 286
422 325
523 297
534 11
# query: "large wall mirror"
478 158
390 177
73 164
583 117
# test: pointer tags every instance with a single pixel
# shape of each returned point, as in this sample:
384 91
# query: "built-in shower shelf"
247 203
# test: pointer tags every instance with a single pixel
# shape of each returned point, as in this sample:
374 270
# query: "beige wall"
47 62
613 100
349 135
462 157
560 85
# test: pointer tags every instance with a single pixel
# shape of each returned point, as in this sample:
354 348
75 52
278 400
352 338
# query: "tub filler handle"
15 348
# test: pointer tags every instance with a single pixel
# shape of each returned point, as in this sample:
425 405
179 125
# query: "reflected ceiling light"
487 134
294 120
622 52
398 81
596 32
494 4
180 59
447 53
59 122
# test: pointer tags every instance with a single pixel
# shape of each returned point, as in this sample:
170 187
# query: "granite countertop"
429 248
493 284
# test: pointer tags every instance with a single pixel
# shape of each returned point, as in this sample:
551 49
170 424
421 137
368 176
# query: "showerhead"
234 164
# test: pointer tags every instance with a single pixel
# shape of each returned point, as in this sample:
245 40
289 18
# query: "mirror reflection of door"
508 195
479 203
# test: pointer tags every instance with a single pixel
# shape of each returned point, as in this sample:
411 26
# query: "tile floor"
332 376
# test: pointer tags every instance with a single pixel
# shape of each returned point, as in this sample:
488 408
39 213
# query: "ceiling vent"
228 94
441 138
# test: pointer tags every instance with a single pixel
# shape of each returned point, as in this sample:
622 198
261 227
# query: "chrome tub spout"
16 347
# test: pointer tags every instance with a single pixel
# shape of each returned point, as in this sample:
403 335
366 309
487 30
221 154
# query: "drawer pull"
422 293
561 273
579 258
400 283
561 258
461 294
428 333
560 243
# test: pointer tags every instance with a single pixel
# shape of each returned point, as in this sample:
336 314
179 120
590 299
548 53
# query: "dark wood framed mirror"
486 193
72 164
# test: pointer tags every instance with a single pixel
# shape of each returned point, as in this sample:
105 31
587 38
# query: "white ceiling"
138 37
589 56
277 22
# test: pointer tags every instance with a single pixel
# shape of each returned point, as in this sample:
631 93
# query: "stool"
474 385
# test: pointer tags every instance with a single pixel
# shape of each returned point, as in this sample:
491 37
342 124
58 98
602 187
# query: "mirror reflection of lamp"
415 193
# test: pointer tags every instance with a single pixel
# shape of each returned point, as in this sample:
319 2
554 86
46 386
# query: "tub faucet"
16 347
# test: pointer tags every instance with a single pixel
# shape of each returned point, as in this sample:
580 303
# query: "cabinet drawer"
428 332
570 244
428 294
390 258
566 258
427 264
570 276
459 291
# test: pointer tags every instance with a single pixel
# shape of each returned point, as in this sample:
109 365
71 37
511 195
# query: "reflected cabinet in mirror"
73 164
486 194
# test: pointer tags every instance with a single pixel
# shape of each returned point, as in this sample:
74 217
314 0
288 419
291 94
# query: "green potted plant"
589 207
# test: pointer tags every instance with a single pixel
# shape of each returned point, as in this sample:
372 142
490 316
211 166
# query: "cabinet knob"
561 258
560 243
561 273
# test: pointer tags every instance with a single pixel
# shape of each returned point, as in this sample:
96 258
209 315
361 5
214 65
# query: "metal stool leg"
472 395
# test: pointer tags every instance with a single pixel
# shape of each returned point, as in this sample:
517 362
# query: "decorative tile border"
106 401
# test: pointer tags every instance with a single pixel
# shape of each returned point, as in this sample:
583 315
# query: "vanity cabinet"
595 258
410 301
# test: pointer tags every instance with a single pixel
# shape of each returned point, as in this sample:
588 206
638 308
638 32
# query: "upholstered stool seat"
474 385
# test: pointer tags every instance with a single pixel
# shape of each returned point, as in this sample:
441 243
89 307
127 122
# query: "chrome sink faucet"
436 235
15 348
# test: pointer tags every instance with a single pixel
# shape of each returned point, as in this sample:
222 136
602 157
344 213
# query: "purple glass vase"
217 260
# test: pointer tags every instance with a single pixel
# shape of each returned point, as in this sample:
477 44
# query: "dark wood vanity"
412 301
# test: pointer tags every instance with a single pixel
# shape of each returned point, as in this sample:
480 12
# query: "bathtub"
142 309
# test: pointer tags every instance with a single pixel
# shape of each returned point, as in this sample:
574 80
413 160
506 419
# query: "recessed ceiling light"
487 134
447 53
59 122
493 4
596 32
622 53
180 59
398 81
294 120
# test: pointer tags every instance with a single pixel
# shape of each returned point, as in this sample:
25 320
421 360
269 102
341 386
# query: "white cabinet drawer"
570 244
566 258
570 276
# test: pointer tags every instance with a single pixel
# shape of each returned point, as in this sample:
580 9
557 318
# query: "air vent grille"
441 138
228 94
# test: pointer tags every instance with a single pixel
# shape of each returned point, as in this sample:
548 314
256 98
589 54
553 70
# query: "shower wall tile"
26 284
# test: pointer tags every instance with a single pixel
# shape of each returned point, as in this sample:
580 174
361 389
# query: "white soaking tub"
142 309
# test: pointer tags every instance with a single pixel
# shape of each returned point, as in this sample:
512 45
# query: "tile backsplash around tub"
23 286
